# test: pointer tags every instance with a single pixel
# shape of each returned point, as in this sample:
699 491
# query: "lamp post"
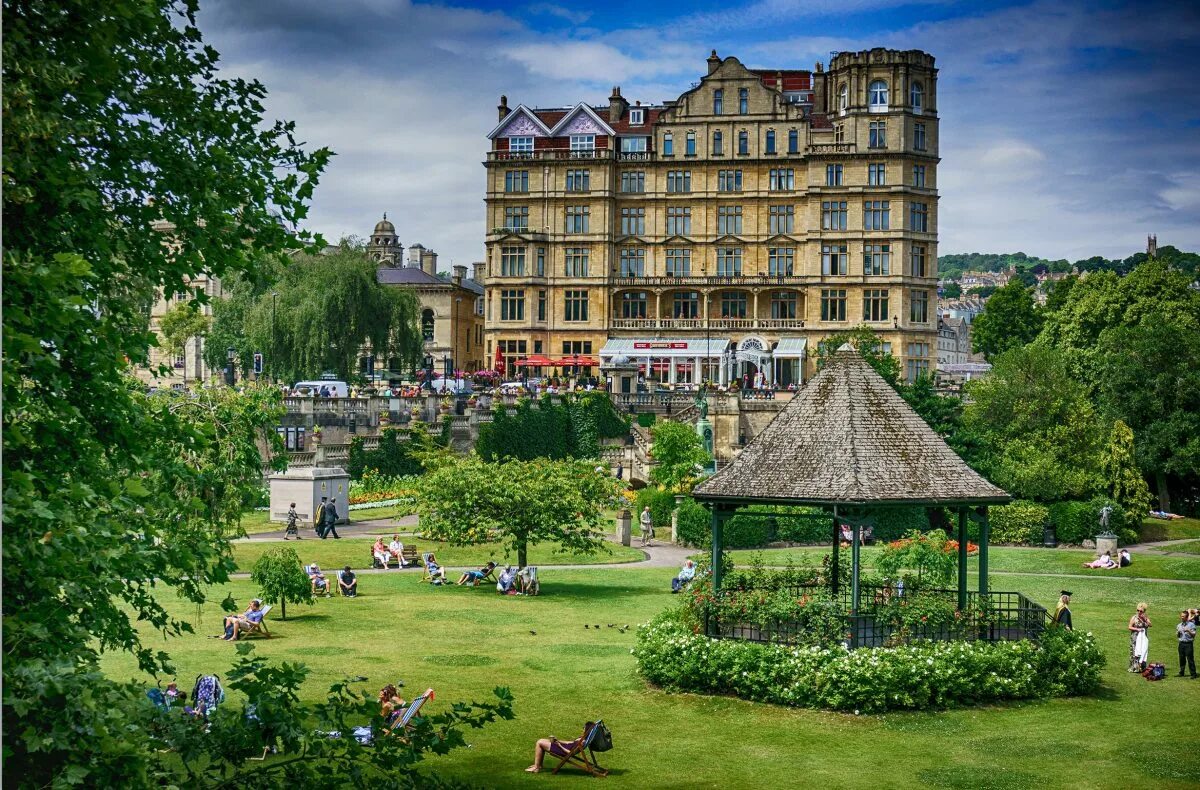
429 372
230 354
274 345
455 331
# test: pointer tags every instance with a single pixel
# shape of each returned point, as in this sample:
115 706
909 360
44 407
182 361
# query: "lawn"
256 521
1191 547
1154 529
463 642
356 552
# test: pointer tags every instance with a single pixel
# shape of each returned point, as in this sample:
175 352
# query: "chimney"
477 271
713 62
414 256
429 262
779 81
502 108
616 105
818 85
460 274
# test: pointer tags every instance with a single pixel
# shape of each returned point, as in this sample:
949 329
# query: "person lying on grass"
475 577
1105 562
556 747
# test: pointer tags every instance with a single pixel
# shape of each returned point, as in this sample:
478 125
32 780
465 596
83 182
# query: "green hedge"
915 677
695 524
661 504
1019 522
893 523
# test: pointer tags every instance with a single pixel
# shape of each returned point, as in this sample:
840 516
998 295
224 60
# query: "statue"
1105 512
702 403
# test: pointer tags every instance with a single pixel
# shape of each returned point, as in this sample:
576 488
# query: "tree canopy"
678 451
868 344
1009 320
182 322
281 578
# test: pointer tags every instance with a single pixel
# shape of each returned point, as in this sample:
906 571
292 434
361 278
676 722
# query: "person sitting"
348 583
320 585
436 572
240 623
475 577
527 581
1104 561
686 574
504 585
397 550
380 552
1125 558
555 747
390 703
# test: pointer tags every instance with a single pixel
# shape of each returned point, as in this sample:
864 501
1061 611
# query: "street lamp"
230 354
274 344
429 372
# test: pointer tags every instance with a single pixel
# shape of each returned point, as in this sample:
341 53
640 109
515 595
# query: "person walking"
319 518
1186 630
1062 612
647 522
292 519
331 520
1139 640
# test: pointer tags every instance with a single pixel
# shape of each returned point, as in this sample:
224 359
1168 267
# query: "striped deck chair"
402 719
426 576
579 752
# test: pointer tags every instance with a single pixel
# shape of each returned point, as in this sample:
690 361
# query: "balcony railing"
832 148
713 280
713 323
634 156
550 154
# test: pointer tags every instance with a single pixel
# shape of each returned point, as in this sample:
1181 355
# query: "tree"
1125 482
182 322
1009 320
678 451
468 501
281 577
1057 292
868 344
952 290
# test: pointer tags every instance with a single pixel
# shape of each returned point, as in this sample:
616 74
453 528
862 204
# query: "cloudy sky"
1068 128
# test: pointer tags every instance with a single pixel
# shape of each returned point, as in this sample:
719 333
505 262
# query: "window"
916 97
743 101
917 260
875 304
743 143
918 217
516 181
918 307
783 304
782 179
512 261
839 132
877 134
729 261
575 261
632 145
729 180
579 180
918 361
716 145
577 219
833 175
633 181
781 261
793 141
770 141
691 144
877 259
516 217
783 219
541 262
583 142
718 100
520 144
919 136
633 304
833 304
833 215
876 215
576 347
877 175
918 175
834 259
733 304
633 262
427 324
679 180
843 98
679 221
633 221
686 304
729 219
877 96
512 305
637 116
679 262
575 305
541 306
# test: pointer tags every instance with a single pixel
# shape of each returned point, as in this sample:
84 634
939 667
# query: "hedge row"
1074 522
915 677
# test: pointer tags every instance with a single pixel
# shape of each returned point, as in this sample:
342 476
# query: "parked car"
337 389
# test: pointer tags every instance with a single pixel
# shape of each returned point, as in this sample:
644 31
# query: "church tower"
384 246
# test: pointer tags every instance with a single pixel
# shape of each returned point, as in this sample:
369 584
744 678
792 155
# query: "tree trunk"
1164 493
282 608
522 554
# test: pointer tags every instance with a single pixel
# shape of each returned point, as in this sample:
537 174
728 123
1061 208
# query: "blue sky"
1068 129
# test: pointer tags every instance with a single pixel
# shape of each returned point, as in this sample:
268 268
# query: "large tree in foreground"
465 500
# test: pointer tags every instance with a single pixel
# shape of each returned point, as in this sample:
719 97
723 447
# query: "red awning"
535 361
577 361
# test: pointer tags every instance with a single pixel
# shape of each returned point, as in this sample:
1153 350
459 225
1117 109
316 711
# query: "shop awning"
791 348
640 348
535 361
577 361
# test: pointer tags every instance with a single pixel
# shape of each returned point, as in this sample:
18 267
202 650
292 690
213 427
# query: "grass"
1154 529
355 552
464 642
256 522
1191 547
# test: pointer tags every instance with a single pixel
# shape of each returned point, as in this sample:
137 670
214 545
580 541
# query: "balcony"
714 281
634 156
551 154
713 323
832 148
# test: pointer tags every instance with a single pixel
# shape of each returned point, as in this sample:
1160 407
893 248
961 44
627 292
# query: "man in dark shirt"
348 583
331 519
1186 630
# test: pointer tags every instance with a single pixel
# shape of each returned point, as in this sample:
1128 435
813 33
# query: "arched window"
427 324
878 96
843 98
916 96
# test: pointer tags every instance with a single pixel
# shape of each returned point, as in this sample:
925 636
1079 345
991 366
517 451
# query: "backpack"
601 739
1155 672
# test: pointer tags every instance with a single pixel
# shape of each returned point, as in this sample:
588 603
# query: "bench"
409 553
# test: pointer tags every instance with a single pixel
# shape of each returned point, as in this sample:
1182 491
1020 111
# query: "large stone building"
723 233
451 306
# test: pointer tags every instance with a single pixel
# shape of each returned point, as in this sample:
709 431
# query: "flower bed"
670 653
375 490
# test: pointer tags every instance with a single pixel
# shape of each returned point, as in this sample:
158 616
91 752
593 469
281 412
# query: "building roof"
658 347
848 438
407 275
385 226
793 79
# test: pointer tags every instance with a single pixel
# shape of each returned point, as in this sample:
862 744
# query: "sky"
1068 129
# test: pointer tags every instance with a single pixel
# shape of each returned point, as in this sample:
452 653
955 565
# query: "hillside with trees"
952 266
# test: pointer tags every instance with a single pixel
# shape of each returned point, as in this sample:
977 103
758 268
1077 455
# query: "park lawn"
256 522
1155 529
1191 547
356 552
1005 560
463 642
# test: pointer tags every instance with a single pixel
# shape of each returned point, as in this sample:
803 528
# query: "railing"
756 394
832 148
668 280
713 323
634 156
652 400
732 323
548 154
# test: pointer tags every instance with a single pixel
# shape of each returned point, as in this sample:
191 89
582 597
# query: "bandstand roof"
848 438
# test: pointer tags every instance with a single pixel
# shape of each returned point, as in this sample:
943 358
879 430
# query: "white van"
337 389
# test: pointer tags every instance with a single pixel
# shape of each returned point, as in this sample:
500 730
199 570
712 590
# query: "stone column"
623 527
697 374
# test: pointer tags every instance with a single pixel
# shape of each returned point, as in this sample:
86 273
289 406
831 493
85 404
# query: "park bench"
409 553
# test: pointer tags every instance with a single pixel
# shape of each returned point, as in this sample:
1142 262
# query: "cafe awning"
535 361
577 361
791 348
635 348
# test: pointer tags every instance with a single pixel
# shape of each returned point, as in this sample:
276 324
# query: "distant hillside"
952 266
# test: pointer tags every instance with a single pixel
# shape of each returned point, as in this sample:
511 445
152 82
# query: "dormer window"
520 144
637 117
878 96
583 142
916 97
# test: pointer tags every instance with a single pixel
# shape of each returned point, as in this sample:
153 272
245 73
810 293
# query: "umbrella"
535 361
575 360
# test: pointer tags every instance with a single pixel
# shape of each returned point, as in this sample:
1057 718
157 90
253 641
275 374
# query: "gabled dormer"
580 120
521 122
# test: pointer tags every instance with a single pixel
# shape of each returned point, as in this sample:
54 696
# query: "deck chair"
527 579
259 628
403 724
426 576
581 754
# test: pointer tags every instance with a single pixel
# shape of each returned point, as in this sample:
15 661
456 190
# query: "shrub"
695 524
1019 522
645 419
920 676
892 523
747 532
661 504
1074 521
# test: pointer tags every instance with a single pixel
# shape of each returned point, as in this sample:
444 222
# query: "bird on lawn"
621 630
612 625
586 626
597 627
534 633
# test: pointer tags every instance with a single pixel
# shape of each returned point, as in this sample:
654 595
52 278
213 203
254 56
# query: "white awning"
674 348
791 348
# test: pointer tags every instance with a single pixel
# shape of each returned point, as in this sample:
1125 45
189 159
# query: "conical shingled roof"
849 438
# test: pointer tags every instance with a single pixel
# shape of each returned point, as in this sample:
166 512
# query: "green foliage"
1075 521
1009 320
646 419
931 555
281 578
1125 482
920 676
892 523
951 290
694 524
398 453
679 456
952 266
182 322
747 532
466 501
1020 521
868 344
661 504
566 427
